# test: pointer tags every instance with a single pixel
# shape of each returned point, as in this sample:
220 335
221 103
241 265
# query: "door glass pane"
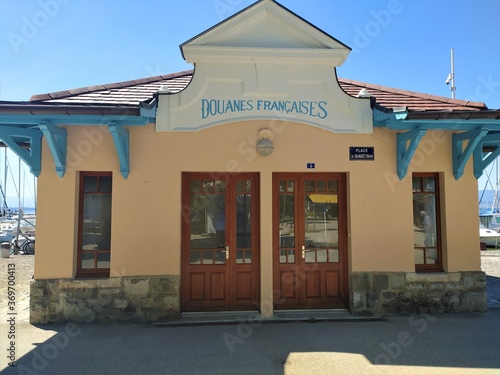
287 224
243 221
310 256
220 257
333 255
332 186
291 256
195 257
321 256
282 256
239 257
207 215
208 257
321 220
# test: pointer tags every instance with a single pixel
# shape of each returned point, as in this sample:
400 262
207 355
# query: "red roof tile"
135 91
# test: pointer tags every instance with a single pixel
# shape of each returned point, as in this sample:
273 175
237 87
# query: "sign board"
362 153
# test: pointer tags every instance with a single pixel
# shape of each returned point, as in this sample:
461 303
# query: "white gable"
264 63
264 29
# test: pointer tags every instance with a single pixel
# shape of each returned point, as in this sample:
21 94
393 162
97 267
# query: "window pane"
291 256
88 260
105 184
419 256
96 231
431 256
90 184
430 184
103 260
417 184
248 257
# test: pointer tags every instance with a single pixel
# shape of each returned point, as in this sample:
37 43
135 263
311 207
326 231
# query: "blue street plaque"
311 165
362 153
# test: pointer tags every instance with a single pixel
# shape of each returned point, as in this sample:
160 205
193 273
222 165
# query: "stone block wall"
125 299
387 293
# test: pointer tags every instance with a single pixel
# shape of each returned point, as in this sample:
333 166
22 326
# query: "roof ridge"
109 86
414 94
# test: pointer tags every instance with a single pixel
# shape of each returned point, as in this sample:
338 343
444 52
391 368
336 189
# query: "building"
257 182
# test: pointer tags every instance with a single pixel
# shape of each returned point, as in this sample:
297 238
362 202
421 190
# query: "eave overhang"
23 124
475 132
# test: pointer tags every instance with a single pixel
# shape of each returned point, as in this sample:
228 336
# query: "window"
426 223
94 232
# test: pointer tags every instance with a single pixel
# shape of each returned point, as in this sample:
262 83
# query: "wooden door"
309 241
220 242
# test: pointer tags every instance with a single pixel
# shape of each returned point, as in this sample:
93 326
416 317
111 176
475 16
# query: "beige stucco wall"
146 222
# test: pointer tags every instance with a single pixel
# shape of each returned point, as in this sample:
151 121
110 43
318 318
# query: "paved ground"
419 344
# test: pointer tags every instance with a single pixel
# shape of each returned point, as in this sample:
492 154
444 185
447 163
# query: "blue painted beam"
406 151
57 139
31 156
29 120
481 162
460 156
121 138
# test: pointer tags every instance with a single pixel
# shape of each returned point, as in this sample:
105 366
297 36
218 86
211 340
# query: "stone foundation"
125 299
386 293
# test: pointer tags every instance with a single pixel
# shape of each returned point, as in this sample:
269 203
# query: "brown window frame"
85 272
438 266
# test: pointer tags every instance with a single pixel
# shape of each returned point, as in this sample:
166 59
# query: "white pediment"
265 29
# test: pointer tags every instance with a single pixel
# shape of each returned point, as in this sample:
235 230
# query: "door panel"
220 242
309 233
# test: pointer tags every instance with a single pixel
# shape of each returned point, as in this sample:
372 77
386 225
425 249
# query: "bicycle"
27 247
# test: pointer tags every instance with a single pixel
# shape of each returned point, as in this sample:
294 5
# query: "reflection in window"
95 224
425 222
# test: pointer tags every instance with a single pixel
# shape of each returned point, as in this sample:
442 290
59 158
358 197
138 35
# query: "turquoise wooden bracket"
481 162
459 154
32 156
405 152
57 139
122 143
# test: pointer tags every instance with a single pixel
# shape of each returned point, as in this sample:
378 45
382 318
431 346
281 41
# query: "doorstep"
253 317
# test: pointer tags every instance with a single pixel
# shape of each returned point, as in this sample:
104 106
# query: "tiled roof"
136 91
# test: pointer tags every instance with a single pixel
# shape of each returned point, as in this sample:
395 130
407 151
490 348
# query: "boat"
488 236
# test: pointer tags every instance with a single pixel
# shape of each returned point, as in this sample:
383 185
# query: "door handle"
227 252
303 252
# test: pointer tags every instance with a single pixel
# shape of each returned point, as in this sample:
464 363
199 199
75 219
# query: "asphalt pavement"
417 344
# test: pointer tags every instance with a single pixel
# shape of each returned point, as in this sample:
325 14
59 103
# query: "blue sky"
53 45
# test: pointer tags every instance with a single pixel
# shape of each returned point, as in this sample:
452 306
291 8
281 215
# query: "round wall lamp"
265 147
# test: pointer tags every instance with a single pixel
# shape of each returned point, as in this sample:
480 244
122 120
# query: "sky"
54 45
